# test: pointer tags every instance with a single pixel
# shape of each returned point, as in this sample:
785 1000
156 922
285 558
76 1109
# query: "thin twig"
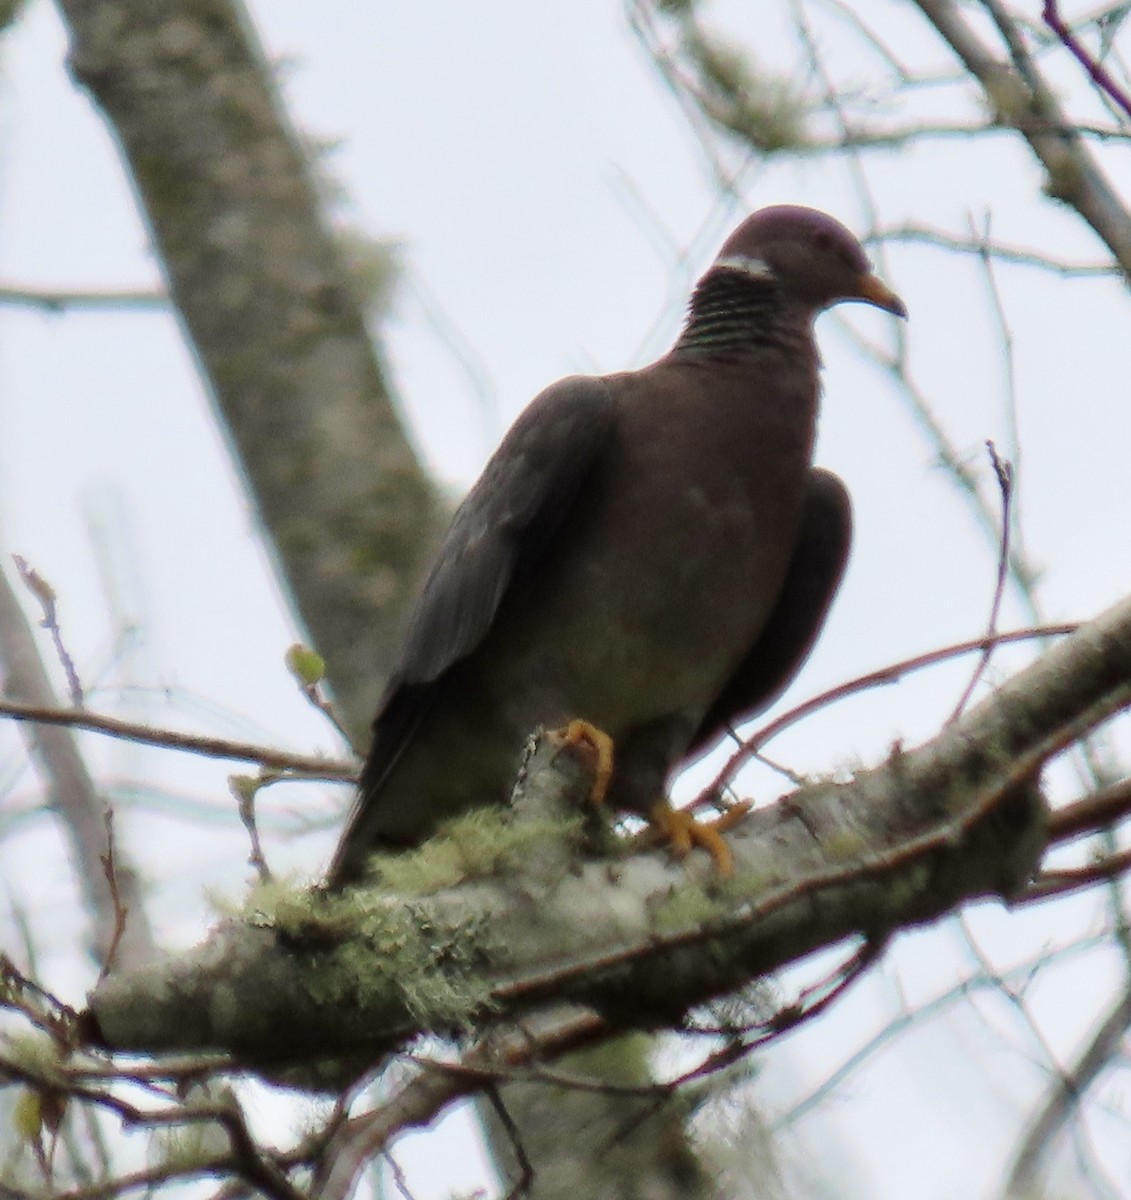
43 1009
57 300
1100 810
72 793
1021 98
305 766
400 1179
1065 1097
811 1001
1003 470
881 678
525 1180
48 601
1101 77
422 1097
245 788
784 1021
916 1018
1060 883
982 247
120 911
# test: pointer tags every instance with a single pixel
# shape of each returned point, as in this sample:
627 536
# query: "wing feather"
506 522
811 583
502 529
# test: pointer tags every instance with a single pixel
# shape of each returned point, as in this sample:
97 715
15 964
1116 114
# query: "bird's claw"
596 745
683 832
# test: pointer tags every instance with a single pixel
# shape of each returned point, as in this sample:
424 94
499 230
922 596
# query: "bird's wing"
815 572
506 522
499 533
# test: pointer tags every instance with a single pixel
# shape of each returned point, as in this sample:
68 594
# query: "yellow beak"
872 290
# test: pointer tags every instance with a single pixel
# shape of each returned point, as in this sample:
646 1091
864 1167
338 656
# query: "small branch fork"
515 1053
340 1150
1100 75
1003 471
518 1051
751 746
98 1082
1093 814
316 767
109 869
345 1144
48 601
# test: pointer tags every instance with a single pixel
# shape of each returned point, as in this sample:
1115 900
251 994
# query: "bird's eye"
826 243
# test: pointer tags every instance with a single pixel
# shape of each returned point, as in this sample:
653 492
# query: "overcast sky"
553 207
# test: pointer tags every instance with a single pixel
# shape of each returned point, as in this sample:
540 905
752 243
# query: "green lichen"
186 1148
691 904
480 844
362 945
902 890
766 112
366 944
844 845
744 885
282 902
36 1053
435 967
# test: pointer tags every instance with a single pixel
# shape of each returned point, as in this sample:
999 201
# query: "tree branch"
309 766
637 939
1022 101
74 798
1064 1096
261 286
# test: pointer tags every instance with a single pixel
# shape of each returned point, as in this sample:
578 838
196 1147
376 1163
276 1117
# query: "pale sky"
511 149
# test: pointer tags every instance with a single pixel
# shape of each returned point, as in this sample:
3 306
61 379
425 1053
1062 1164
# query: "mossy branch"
638 938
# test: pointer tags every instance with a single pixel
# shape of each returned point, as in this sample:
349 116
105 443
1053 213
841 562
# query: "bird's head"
808 257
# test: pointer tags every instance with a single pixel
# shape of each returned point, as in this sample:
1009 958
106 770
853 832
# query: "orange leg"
596 744
682 831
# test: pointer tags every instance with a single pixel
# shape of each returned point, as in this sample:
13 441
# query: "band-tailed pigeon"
650 551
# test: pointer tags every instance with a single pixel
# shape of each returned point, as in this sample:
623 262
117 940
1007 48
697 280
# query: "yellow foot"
682 831
595 744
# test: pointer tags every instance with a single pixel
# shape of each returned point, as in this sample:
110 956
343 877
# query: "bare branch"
1021 100
1051 884
56 300
262 287
110 870
1050 14
1003 470
751 745
562 1028
1098 811
45 594
73 794
920 235
245 788
1064 1097
957 817
305 766
913 1018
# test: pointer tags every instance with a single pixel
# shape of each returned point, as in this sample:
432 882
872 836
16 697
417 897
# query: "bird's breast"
673 558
